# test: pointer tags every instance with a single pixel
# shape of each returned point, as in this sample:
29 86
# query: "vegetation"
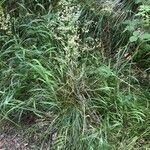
79 68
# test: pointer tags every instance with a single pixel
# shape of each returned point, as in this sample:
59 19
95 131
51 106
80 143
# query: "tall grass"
53 72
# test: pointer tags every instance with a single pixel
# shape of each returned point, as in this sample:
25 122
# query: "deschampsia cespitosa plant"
69 66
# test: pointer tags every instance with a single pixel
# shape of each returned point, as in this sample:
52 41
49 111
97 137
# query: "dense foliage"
81 68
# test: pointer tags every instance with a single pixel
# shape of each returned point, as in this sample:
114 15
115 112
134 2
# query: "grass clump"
56 70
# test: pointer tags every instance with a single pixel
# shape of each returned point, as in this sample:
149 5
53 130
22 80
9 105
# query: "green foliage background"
81 68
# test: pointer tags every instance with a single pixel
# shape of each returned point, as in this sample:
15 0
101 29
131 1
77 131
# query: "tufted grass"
52 74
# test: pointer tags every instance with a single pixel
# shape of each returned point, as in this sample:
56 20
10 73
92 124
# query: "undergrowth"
74 66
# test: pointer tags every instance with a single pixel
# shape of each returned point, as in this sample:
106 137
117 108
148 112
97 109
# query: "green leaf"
145 36
133 38
136 33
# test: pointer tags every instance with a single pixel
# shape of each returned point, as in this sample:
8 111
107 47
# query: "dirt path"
12 138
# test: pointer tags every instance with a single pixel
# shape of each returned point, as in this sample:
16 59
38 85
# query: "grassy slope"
51 74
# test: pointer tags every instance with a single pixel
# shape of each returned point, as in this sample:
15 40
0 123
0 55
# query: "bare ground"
18 138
